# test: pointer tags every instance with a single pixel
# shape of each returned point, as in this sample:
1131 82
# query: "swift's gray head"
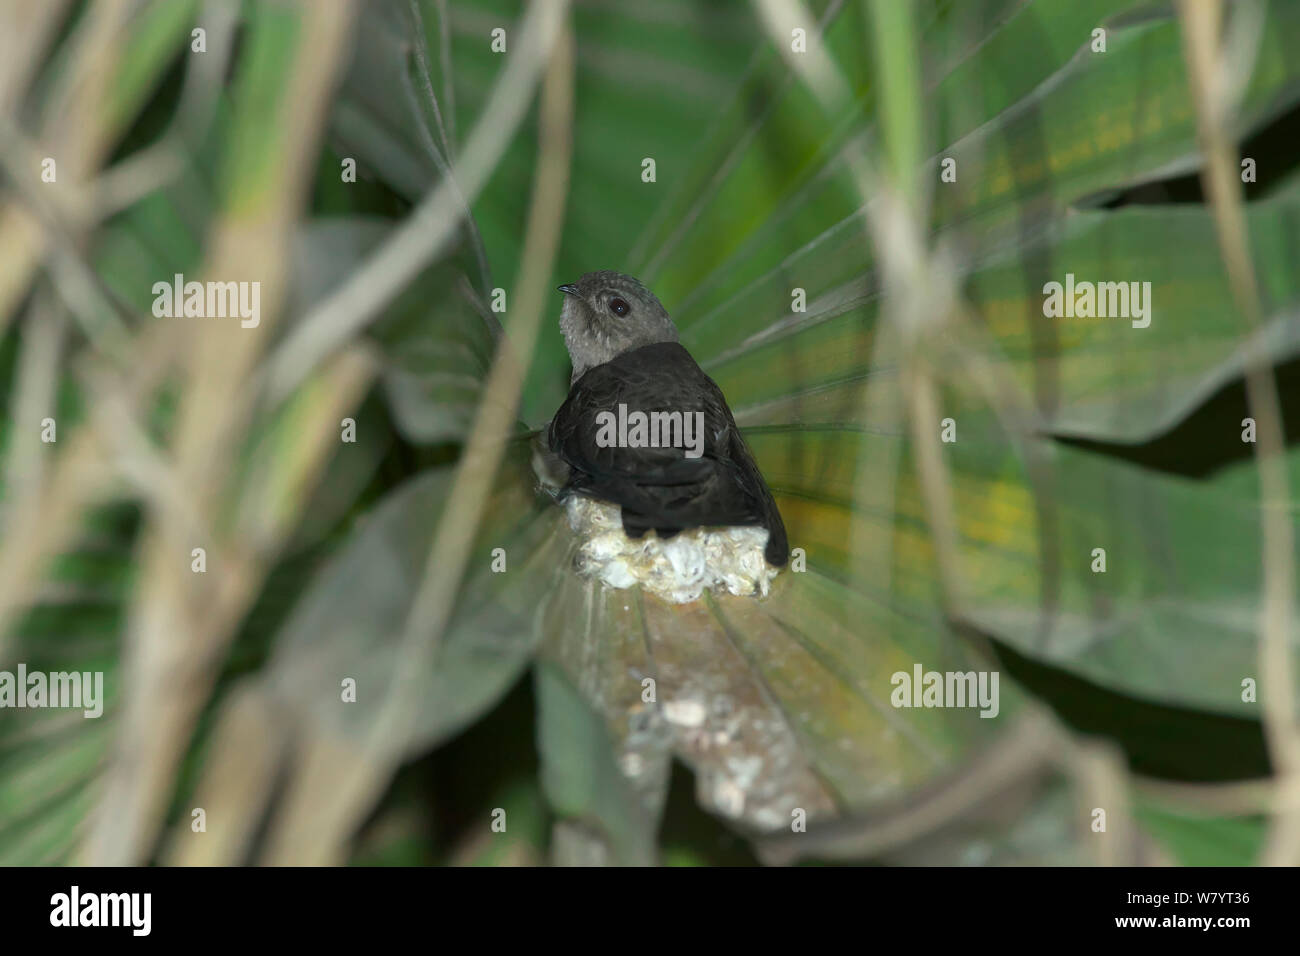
606 314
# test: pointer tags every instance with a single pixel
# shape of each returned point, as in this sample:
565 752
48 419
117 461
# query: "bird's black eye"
619 306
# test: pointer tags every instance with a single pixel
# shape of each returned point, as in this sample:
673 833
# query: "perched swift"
626 356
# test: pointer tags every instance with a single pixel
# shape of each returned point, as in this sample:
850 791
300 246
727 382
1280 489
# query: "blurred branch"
76 133
1021 753
921 297
181 623
427 230
136 456
36 393
25 31
815 68
919 287
324 806
77 477
62 218
918 291
250 746
1236 798
161 163
1213 78
1024 756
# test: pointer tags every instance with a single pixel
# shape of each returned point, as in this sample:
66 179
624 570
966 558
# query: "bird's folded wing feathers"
720 487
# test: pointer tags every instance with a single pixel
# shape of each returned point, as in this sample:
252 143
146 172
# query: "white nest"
677 569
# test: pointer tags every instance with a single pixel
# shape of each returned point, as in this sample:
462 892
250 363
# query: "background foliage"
521 691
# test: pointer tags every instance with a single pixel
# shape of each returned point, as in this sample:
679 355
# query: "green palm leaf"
783 708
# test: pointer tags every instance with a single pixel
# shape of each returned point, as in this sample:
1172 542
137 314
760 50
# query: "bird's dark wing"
662 488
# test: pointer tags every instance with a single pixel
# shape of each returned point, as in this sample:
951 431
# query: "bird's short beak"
569 289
